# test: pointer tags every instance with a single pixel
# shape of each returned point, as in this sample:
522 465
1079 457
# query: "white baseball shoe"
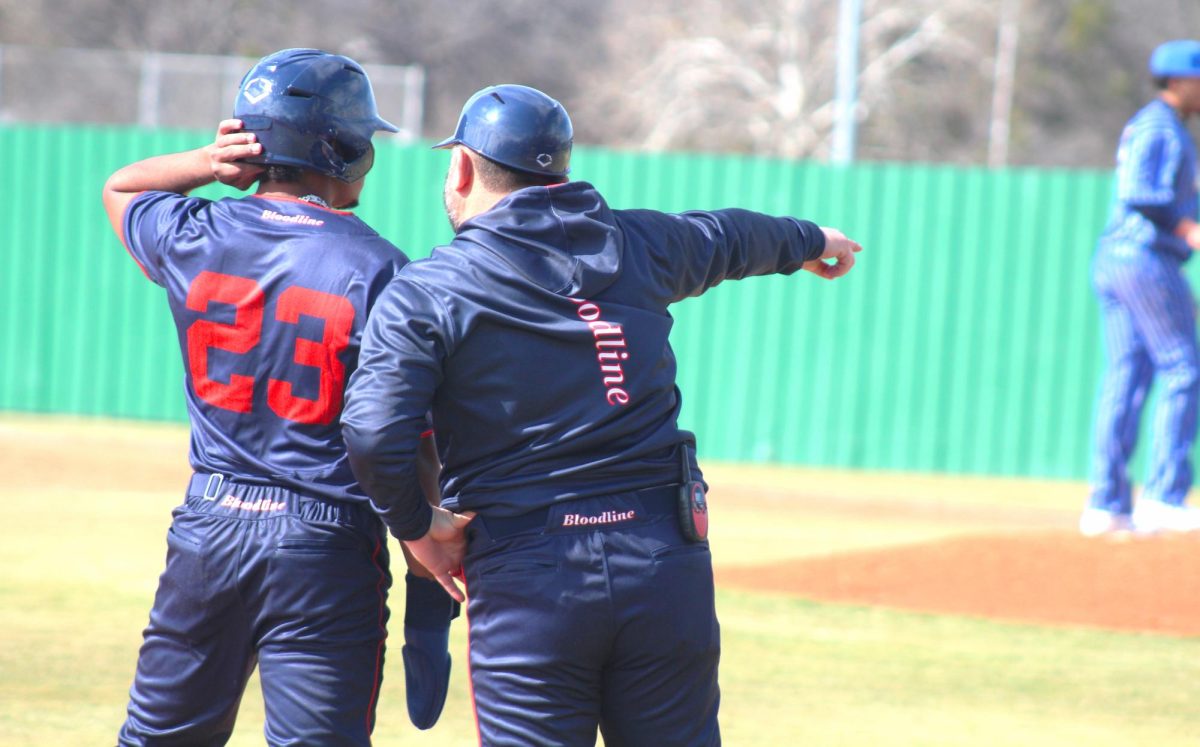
1156 516
1096 521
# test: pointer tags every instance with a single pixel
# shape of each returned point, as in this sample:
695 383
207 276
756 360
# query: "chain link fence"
158 89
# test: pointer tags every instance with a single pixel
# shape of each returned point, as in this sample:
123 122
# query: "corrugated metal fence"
966 340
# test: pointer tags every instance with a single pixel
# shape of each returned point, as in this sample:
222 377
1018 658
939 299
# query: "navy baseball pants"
596 612
261 574
1150 330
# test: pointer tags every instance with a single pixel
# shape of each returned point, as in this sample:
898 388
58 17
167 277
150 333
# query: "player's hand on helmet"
442 548
838 257
227 151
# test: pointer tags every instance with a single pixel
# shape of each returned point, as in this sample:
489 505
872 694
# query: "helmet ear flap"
359 158
324 152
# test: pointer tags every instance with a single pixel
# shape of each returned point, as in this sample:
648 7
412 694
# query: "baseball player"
539 337
276 557
1147 307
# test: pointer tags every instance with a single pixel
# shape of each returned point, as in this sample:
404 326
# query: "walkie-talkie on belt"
693 510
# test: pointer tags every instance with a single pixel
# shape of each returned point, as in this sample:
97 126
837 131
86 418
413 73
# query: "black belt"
662 501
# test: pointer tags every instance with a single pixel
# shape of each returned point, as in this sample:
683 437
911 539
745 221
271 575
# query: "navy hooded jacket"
538 338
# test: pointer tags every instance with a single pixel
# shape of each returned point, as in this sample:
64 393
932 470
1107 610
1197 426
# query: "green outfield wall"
966 340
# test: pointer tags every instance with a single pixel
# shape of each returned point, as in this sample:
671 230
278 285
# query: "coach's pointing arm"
400 367
694 251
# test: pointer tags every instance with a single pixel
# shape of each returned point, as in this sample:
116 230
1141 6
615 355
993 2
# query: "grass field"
84 507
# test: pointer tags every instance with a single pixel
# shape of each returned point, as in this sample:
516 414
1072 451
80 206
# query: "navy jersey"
1156 182
540 338
270 298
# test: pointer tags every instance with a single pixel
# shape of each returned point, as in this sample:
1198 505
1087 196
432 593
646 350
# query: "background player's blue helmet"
311 109
1176 59
517 126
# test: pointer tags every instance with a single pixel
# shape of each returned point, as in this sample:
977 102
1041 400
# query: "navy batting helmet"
311 109
1176 59
517 126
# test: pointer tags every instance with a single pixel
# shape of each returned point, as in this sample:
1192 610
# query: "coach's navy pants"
1150 330
575 624
261 574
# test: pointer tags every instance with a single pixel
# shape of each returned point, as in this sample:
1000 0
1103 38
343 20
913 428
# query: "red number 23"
240 337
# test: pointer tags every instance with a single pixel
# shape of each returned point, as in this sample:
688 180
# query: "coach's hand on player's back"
442 548
837 248
226 152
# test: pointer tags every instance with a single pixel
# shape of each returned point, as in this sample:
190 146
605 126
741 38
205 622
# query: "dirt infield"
1133 583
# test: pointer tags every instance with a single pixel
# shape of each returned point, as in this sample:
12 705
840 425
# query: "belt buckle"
211 492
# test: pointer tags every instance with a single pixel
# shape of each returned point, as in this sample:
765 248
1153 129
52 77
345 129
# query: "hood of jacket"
561 238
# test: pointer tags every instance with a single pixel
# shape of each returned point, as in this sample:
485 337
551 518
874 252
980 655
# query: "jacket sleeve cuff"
411 526
812 238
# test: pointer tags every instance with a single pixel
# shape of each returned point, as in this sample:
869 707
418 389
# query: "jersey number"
245 332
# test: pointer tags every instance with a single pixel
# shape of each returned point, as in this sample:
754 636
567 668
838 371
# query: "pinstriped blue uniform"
1148 314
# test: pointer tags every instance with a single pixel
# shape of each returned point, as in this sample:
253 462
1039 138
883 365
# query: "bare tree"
130 24
556 46
759 76
753 76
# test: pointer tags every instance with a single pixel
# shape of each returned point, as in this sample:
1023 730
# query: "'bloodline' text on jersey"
610 350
